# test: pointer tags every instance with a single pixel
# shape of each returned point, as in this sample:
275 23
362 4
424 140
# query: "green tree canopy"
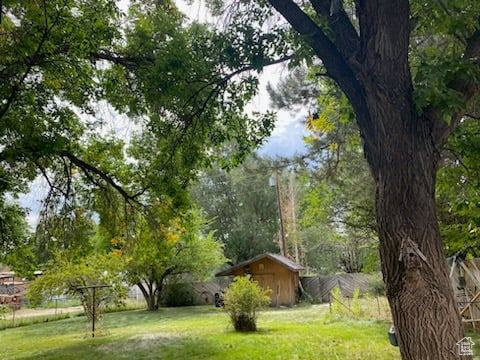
183 86
241 207
161 252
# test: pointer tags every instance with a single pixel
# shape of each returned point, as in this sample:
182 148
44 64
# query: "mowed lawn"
202 332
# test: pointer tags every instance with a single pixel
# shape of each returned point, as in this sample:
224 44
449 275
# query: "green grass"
26 321
6 323
52 304
201 333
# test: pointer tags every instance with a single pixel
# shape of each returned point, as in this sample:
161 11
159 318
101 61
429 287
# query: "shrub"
356 305
377 285
243 298
65 276
337 303
4 310
178 294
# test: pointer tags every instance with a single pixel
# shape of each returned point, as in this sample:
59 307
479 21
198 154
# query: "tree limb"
336 65
104 176
130 62
345 36
31 61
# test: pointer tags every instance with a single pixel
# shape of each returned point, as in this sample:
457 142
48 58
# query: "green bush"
337 303
4 310
243 298
356 305
377 285
178 295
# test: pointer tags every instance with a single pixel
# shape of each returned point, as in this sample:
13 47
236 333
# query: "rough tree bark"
413 261
403 149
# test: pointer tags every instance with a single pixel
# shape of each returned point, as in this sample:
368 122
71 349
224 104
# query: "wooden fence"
319 287
465 280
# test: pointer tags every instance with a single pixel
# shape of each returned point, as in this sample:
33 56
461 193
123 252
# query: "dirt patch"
140 341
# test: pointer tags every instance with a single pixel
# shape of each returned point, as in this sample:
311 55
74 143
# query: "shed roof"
282 260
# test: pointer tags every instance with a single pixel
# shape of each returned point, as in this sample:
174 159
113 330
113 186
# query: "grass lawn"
201 332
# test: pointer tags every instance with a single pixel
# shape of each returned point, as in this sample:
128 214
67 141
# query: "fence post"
13 315
378 305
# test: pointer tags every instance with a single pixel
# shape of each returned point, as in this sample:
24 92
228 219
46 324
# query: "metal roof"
282 260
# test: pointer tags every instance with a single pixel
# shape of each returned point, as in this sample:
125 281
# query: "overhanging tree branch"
130 62
104 176
32 60
337 66
345 36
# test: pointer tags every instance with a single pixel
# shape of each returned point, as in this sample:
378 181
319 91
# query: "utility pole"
293 227
284 249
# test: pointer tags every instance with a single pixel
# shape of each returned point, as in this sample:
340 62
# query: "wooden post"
378 306
453 265
283 249
93 312
94 308
293 215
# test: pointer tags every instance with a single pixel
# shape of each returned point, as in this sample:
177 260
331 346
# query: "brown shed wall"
270 274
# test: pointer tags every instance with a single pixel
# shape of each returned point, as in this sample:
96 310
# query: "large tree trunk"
413 261
403 153
372 68
149 295
152 290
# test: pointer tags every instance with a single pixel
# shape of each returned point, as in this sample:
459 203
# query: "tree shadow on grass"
122 319
142 346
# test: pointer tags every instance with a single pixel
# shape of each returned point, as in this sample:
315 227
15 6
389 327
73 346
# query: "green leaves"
175 247
241 207
13 233
243 298
64 276
458 191
181 84
437 44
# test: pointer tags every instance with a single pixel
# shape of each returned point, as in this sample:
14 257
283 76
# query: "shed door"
267 281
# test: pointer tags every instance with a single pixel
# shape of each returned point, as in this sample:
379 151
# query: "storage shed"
273 271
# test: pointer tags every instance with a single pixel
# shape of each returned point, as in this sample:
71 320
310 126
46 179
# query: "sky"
286 139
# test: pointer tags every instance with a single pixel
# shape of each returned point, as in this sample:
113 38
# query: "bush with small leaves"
377 285
4 310
243 298
178 294
356 305
337 303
